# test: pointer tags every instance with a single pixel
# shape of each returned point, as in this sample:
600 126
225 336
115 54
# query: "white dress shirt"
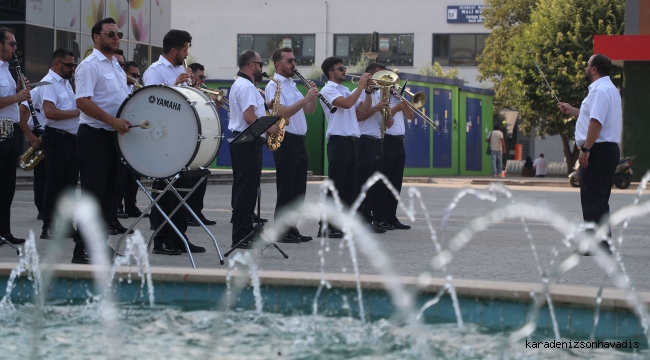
289 95
242 95
8 88
104 82
372 125
344 121
603 103
60 94
398 128
162 72
37 101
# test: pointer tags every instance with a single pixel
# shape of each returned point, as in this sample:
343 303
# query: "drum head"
171 141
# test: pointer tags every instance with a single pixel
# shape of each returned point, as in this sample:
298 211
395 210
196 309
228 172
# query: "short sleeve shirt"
344 121
8 88
540 166
37 101
60 94
161 72
603 103
242 95
289 95
398 128
104 82
495 140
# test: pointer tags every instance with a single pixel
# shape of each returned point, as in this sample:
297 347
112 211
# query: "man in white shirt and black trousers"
101 89
291 158
168 70
246 106
10 96
343 131
597 134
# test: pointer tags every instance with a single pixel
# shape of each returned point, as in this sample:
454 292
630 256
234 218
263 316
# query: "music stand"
252 133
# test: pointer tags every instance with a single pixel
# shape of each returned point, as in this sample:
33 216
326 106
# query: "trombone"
221 99
417 101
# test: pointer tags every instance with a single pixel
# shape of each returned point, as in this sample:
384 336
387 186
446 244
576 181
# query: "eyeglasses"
340 68
111 33
261 64
202 77
70 65
13 44
134 75
291 60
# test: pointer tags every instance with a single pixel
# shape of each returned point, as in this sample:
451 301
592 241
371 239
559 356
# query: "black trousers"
168 202
196 199
62 168
393 168
291 163
370 160
98 171
39 178
122 172
597 179
130 192
8 161
343 161
246 162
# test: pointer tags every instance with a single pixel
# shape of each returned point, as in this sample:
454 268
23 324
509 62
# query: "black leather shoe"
604 245
83 258
383 225
165 249
47 234
121 214
112 231
39 216
151 227
192 222
399 226
119 228
303 238
244 245
134 214
12 239
208 222
289 239
193 248
377 229
331 233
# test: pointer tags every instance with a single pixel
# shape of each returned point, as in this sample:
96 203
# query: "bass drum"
184 132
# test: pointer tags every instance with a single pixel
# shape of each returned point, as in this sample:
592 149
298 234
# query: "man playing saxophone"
291 158
10 96
59 136
34 136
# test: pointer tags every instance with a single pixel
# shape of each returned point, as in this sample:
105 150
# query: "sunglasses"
13 44
112 33
202 77
134 75
69 65
261 64
291 60
340 68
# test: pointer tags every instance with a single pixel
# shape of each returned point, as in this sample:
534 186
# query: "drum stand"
167 217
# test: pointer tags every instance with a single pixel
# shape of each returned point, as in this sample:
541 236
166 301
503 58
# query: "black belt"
294 136
400 137
353 138
62 132
369 137
95 128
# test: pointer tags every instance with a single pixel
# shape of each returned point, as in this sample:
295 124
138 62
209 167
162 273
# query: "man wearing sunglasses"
168 71
10 96
291 158
101 89
59 136
343 130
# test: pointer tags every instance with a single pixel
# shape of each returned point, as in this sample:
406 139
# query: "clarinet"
320 96
21 77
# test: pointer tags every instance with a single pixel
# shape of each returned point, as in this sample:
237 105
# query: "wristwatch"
368 92
585 149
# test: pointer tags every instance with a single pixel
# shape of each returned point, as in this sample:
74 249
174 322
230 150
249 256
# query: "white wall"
215 24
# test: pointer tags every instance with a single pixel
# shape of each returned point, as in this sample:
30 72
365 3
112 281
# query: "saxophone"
273 142
34 154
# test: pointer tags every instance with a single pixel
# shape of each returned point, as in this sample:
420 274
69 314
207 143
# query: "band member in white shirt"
10 96
343 130
60 134
291 158
168 70
101 89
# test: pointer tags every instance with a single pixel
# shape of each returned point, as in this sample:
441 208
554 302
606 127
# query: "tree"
559 37
436 70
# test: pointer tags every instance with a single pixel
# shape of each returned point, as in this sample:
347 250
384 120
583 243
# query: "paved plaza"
500 253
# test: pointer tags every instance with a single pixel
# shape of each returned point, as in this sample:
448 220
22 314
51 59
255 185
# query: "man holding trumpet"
291 158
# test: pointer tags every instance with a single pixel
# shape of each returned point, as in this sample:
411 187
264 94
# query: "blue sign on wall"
464 14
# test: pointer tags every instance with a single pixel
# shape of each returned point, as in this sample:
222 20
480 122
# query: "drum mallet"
144 124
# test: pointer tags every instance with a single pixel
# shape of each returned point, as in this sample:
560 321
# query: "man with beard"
597 134
101 89
246 106
60 135
168 70
10 96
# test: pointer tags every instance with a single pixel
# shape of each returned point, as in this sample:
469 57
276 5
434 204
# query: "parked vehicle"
622 176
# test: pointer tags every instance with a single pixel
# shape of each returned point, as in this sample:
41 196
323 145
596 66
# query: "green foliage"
314 73
436 70
359 67
558 34
270 67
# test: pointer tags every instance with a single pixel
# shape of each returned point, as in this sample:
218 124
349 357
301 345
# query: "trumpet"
221 99
417 101
189 81
136 84
320 96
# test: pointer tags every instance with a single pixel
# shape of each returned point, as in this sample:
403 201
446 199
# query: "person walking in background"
497 147
539 166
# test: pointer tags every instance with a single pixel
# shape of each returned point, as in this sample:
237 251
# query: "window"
458 49
393 49
304 46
